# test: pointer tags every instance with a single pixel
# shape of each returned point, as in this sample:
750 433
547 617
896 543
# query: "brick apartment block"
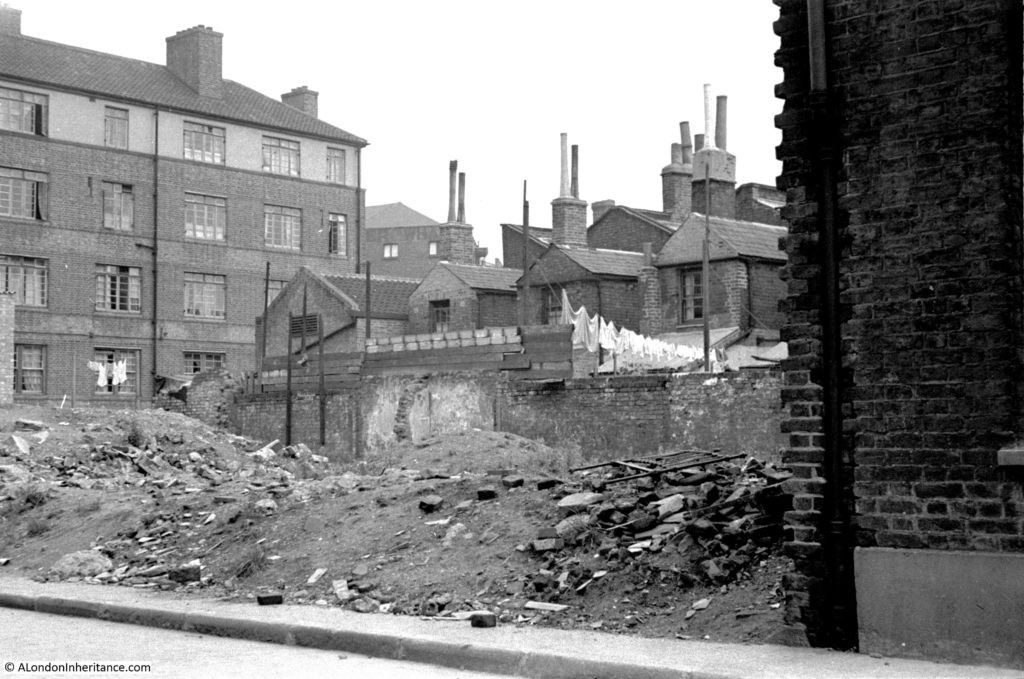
140 203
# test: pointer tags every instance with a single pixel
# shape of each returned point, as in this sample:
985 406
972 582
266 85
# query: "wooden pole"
266 303
288 388
368 307
706 268
323 386
525 305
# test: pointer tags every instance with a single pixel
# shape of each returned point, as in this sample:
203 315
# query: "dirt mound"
434 528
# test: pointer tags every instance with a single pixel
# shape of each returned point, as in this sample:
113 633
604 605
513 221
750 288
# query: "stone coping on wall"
444 340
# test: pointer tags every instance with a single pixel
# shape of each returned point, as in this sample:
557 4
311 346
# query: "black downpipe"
359 207
156 232
840 612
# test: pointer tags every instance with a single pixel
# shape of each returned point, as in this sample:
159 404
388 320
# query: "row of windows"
22 195
30 368
118 288
691 302
27 112
391 250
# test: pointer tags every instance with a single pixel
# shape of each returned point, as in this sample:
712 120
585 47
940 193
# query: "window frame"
691 296
115 127
552 307
274 289
203 358
433 248
109 356
24 111
202 294
278 150
391 248
31 199
26 264
20 369
337 234
127 277
337 160
209 149
116 211
215 205
291 233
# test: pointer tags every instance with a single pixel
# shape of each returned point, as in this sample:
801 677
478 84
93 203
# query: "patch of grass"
36 526
26 496
254 561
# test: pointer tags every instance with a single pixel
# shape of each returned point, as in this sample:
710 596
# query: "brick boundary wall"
607 417
924 98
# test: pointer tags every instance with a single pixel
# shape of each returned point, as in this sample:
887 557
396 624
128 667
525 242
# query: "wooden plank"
543 356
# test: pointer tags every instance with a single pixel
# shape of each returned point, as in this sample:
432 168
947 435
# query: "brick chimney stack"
304 99
457 245
10 20
677 176
194 55
715 163
568 212
651 314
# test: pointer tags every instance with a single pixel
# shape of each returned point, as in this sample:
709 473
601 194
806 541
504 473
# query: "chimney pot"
575 188
687 142
564 189
720 125
462 198
452 168
698 142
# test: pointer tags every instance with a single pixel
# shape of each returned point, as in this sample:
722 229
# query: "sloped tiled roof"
395 214
541 234
496 278
389 296
730 238
605 262
47 63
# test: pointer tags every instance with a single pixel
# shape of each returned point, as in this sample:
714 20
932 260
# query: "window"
337 235
204 143
390 250
118 288
115 127
25 277
282 226
440 315
552 307
274 289
29 369
200 362
23 111
22 193
204 295
205 216
432 248
336 165
280 156
691 296
118 206
112 359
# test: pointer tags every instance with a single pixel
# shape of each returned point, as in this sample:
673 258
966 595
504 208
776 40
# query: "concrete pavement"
519 651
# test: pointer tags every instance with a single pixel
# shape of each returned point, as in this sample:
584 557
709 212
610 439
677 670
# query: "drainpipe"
156 232
359 206
840 622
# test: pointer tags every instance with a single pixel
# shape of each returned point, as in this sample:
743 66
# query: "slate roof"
499 279
389 296
660 220
730 239
32 60
395 214
540 234
605 262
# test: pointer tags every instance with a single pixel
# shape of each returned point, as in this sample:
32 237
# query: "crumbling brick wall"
925 116
209 398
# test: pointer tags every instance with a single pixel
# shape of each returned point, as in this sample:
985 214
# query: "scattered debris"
545 606
269 599
431 503
85 563
317 574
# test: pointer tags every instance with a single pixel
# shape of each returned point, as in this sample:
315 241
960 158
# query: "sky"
490 84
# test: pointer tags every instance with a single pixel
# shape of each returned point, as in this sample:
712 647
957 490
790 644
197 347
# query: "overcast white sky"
491 84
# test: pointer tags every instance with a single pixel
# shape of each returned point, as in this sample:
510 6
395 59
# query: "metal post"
706 268
524 304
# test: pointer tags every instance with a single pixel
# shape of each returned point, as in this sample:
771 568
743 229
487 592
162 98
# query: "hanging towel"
567 316
101 372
